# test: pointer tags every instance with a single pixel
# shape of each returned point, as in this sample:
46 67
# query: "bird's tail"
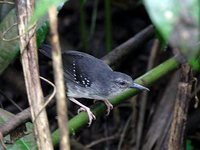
46 50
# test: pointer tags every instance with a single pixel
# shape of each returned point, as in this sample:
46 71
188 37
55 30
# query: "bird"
89 77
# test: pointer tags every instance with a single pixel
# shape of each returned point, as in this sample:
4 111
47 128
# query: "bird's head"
121 82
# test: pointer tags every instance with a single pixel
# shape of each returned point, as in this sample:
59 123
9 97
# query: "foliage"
178 22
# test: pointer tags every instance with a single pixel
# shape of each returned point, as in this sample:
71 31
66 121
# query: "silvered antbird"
89 77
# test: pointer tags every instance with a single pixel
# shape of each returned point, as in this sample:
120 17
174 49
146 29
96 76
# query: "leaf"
9 43
42 7
189 145
5 8
178 23
26 142
163 14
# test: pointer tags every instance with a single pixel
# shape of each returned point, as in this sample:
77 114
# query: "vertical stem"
177 131
108 25
83 29
94 18
59 81
27 43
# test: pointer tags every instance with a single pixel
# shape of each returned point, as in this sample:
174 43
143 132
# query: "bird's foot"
108 105
91 116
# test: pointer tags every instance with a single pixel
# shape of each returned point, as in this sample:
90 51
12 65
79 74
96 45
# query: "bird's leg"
91 116
108 105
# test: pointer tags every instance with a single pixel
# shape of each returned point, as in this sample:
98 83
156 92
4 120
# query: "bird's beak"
139 87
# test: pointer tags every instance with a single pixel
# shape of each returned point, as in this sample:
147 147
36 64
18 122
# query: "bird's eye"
122 83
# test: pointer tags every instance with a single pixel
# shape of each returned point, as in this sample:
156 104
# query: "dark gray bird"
89 77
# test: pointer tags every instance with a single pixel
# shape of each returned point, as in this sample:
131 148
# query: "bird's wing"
79 67
82 68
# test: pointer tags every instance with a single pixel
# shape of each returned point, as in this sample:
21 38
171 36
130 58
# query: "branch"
15 122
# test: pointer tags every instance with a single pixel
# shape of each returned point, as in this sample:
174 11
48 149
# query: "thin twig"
59 81
7 2
50 97
32 29
124 132
102 140
6 31
13 102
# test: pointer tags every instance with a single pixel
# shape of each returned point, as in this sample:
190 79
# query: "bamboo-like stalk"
147 79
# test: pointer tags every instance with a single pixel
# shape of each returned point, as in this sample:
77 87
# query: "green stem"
108 25
94 18
83 30
147 79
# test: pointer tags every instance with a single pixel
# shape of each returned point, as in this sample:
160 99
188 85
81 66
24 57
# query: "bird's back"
82 66
79 67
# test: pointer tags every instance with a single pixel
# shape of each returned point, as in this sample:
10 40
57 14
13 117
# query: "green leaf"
195 63
189 145
9 43
42 7
27 142
5 8
178 22
163 14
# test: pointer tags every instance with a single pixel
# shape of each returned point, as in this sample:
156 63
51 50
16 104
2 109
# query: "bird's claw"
109 106
81 109
91 116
